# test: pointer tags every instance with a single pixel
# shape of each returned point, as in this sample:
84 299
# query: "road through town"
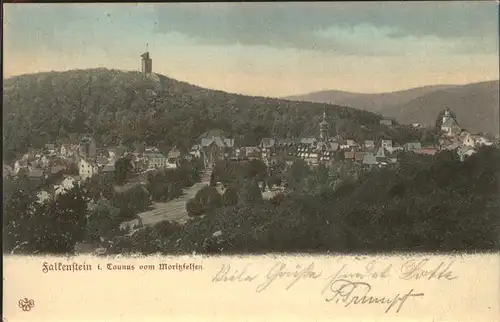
173 210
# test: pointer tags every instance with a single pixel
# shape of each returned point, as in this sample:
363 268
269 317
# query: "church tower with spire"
449 124
447 115
323 128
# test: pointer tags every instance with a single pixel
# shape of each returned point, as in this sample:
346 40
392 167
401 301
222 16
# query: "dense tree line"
227 172
167 184
426 203
240 181
84 213
33 227
129 201
125 108
206 200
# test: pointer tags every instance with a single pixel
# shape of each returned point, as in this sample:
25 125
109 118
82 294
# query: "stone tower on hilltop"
147 63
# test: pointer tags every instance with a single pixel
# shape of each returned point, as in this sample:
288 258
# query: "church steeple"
323 127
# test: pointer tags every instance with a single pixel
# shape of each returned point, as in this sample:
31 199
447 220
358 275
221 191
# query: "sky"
266 49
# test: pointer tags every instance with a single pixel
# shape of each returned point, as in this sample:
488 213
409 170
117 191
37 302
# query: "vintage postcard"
264 161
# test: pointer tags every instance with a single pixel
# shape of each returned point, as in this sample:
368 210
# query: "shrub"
250 193
230 197
193 208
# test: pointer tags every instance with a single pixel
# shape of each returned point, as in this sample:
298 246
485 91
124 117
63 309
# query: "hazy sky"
270 49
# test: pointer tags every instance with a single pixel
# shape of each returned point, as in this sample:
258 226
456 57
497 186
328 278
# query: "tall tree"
123 169
102 218
296 173
230 196
18 213
52 227
256 169
250 193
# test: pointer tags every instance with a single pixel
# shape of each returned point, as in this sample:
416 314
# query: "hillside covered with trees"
119 107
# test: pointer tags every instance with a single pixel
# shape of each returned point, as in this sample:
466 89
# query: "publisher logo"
26 304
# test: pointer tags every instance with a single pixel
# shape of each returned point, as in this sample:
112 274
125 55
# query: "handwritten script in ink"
344 284
354 293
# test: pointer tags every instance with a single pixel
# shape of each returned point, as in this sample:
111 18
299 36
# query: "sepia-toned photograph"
250 128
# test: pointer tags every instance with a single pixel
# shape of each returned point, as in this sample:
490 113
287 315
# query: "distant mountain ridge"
475 104
373 102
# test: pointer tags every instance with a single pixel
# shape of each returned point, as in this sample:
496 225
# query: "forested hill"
125 107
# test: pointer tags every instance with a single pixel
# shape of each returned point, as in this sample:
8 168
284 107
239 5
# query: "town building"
250 152
426 151
69 150
20 164
348 144
155 160
349 155
386 122
50 147
140 164
310 156
312 150
369 144
101 160
285 149
381 154
37 175
114 153
216 148
196 151
87 168
57 170
394 149
87 147
351 144
369 160
472 140
173 158
108 168
464 152
151 149
359 156
47 160
483 141
66 184
386 143
410 146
